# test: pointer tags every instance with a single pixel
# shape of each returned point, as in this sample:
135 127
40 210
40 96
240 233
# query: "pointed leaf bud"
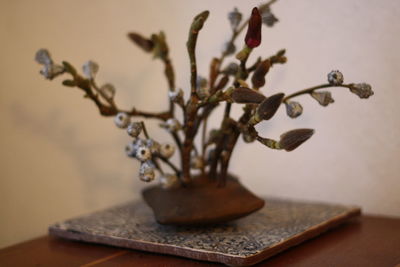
144 43
294 138
258 78
244 95
323 98
253 35
267 109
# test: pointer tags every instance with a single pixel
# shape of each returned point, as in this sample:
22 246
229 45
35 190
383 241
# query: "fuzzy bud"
202 88
153 145
167 150
176 96
196 162
43 57
169 181
146 171
335 77
108 91
122 120
323 98
231 69
228 48
143 153
134 129
268 18
90 69
234 18
293 109
363 90
51 71
171 125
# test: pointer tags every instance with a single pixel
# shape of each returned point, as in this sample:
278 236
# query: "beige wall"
60 159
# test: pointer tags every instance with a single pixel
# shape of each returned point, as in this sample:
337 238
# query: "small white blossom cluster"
90 69
50 69
202 87
146 151
171 125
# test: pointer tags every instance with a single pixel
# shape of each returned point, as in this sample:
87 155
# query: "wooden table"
368 241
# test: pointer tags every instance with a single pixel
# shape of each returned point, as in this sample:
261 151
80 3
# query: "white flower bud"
172 125
234 18
122 120
167 150
231 69
51 71
175 96
323 98
143 153
169 181
134 129
43 57
130 150
108 91
202 88
90 69
153 146
335 77
228 48
293 109
146 171
196 162
268 18
363 90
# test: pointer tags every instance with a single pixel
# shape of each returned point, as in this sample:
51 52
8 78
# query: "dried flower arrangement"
212 195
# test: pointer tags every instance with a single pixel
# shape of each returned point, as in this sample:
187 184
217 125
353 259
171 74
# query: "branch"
312 89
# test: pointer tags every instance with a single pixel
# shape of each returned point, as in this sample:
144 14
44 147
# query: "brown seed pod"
146 44
258 78
244 95
294 138
267 109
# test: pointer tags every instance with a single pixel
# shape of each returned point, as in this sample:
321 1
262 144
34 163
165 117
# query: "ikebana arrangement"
200 190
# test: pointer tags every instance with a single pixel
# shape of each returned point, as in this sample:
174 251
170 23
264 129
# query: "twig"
312 89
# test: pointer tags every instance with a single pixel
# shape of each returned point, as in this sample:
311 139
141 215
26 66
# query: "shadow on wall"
97 178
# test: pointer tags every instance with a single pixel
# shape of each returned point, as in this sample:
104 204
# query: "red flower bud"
253 35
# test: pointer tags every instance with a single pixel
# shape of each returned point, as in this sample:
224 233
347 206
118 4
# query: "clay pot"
202 202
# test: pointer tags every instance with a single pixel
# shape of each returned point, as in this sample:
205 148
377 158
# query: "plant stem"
191 107
170 164
312 89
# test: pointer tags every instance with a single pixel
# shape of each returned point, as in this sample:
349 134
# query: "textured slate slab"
278 226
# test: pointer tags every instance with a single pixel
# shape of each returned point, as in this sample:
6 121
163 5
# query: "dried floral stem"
312 89
170 164
191 107
146 134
